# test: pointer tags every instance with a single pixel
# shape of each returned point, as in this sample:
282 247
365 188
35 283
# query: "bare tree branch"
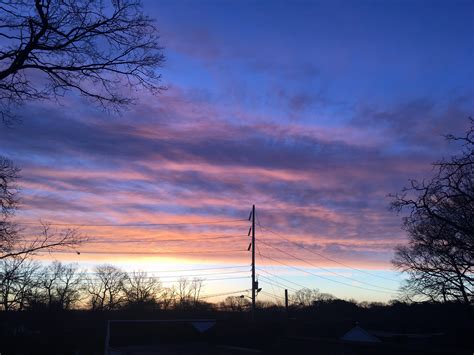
47 240
141 289
8 204
106 288
100 49
439 258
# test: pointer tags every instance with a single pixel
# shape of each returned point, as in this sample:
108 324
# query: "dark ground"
438 329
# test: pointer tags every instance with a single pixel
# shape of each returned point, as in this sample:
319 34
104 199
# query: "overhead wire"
159 277
327 278
320 276
96 280
326 270
116 252
158 240
277 298
200 269
325 257
129 224
143 225
282 278
278 284
223 294
180 270
271 285
258 249
321 268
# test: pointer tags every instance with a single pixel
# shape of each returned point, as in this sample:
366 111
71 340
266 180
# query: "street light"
258 290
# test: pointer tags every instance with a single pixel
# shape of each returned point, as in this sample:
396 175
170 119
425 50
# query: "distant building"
360 335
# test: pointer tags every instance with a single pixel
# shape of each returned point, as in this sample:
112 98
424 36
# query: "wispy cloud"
314 123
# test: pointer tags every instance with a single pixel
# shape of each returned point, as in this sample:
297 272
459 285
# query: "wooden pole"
253 263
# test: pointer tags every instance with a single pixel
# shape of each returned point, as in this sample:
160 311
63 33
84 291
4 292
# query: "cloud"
326 186
184 156
418 123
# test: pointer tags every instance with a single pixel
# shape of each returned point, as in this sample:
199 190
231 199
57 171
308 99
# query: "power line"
220 279
130 224
278 284
324 269
327 270
327 278
115 252
274 296
96 282
184 270
294 290
200 275
271 285
288 281
223 294
156 277
285 280
146 240
258 250
323 256
157 240
202 269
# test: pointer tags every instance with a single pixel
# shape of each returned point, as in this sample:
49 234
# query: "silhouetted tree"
196 288
189 291
11 243
141 289
439 257
60 286
306 297
47 239
106 287
167 298
18 282
268 304
94 47
235 303
8 204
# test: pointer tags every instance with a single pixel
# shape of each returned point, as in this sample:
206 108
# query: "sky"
314 111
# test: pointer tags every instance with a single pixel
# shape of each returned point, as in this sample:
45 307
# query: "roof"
360 335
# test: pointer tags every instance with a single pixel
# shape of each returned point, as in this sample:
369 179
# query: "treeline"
27 285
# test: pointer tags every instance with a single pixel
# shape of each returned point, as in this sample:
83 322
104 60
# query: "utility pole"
254 284
286 300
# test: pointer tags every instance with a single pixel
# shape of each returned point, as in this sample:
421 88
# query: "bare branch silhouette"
8 204
141 289
96 48
439 258
47 240
106 289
